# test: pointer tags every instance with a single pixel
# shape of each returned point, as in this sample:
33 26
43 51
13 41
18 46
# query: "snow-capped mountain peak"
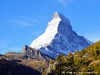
59 38
49 34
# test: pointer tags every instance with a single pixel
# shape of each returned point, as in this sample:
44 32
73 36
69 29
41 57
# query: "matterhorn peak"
59 38
59 15
56 15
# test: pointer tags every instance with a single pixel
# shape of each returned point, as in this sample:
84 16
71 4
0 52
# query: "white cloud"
68 2
65 2
29 19
20 22
23 21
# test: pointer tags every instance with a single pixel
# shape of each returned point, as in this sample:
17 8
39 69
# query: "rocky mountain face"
35 62
59 38
34 54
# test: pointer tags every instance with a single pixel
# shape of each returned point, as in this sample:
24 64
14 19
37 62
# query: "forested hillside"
86 62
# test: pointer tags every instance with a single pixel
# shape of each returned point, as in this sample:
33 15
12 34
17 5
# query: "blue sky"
21 21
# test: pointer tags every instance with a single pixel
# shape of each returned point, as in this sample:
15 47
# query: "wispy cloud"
24 21
65 2
20 22
68 2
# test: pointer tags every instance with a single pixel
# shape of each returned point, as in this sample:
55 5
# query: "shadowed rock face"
59 38
11 68
34 54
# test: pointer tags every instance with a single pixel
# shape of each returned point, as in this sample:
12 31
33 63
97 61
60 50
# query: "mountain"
59 38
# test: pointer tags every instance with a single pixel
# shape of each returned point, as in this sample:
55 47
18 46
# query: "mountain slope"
59 38
85 62
12 68
36 63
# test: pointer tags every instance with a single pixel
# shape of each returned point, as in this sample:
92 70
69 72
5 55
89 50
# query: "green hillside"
86 62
